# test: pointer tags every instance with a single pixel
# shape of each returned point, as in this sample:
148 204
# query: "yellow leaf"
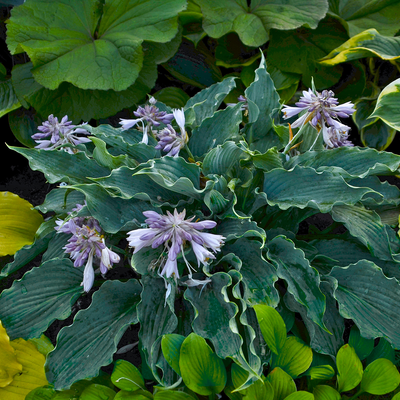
18 223
9 366
32 375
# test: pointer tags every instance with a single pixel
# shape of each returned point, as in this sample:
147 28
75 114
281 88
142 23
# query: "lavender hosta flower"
169 141
322 112
336 138
60 133
86 244
173 231
149 113
244 106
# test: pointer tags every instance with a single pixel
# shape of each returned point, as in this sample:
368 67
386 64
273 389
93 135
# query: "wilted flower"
173 231
149 113
86 244
60 133
322 112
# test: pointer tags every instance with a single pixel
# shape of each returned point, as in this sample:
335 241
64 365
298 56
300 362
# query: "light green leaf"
8 99
380 377
21 306
294 357
99 47
202 371
172 395
272 326
387 105
282 383
126 376
350 369
19 222
321 372
360 15
252 23
300 395
97 392
369 298
259 390
171 345
366 44
92 339
325 392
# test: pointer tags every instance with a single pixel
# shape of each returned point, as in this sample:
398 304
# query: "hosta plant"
189 224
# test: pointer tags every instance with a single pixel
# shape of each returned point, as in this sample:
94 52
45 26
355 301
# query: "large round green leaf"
350 369
325 392
281 382
126 376
202 370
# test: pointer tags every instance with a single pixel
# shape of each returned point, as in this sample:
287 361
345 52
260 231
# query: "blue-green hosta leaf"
252 23
320 340
265 108
26 310
367 226
107 160
93 45
61 200
258 275
360 15
305 187
156 318
369 298
377 135
59 166
366 44
387 105
302 279
382 350
216 130
362 346
92 339
80 104
113 213
233 229
204 103
8 99
221 160
350 162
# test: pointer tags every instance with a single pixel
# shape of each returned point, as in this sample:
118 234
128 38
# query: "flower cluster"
173 231
322 112
169 141
60 133
149 113
87 243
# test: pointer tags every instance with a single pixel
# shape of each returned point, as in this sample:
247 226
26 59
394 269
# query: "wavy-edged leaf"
22 306
99 43
252 23
305 187
366 44
369 298
92 339
19 222
302 279
387 105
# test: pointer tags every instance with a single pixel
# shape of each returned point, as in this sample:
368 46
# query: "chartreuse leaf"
387 105
272 326
361 15
300 395
259 390
99 48
362 346
21 306
302 279
171 395
9 365
18 223
349 367
282 383
380 377
369 298
294 357
202 370
41 393
92 339
126 376
32 374
325 392
253 22
366 44
97 392
171 347
321 372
